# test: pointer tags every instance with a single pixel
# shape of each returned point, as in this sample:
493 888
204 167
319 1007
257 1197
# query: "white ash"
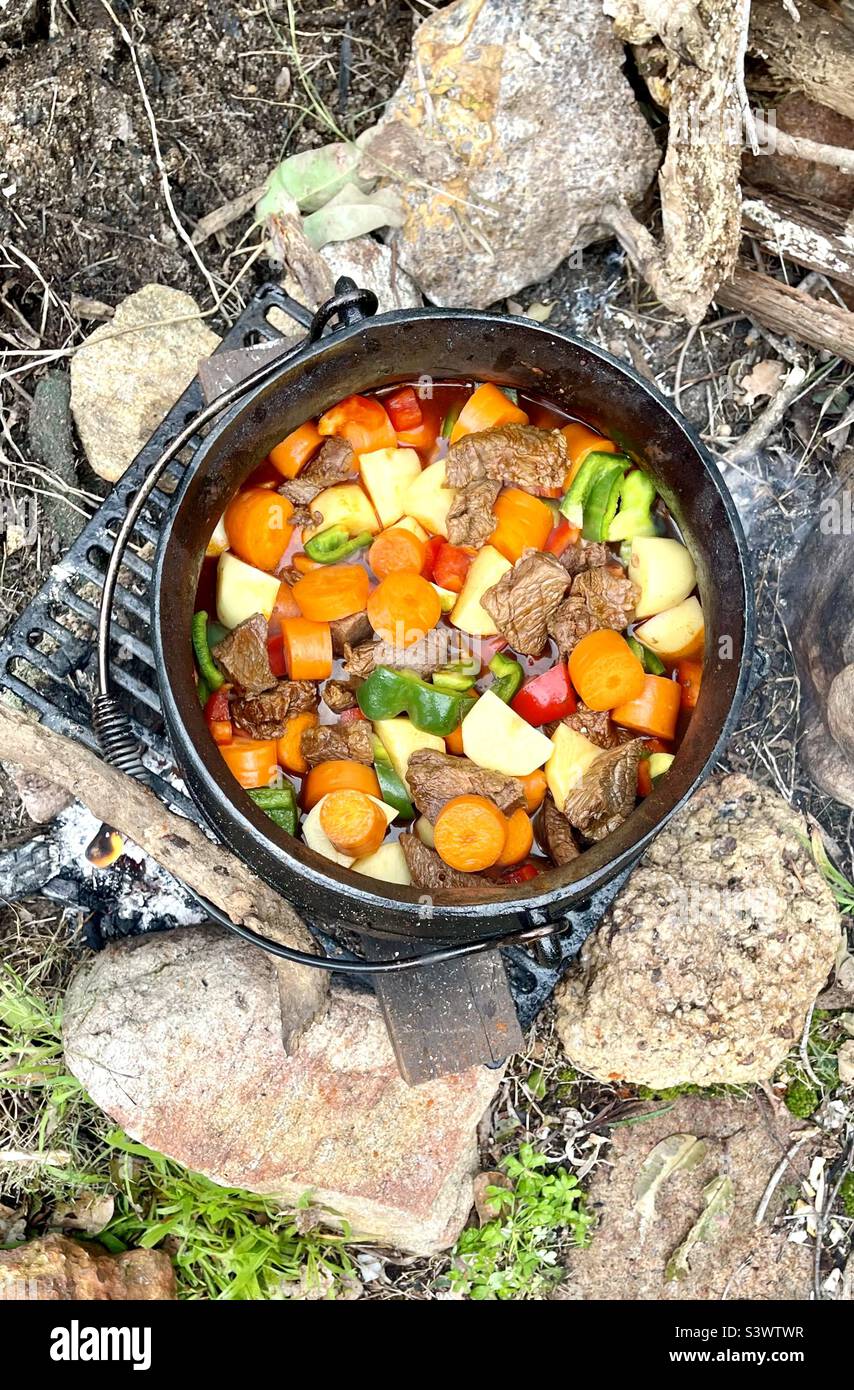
156 896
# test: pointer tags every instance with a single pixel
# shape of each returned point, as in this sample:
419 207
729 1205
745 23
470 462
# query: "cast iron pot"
360 355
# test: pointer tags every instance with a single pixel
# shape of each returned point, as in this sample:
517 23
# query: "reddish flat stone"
177 1037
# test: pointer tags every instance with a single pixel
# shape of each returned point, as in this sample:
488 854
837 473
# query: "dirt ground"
227 90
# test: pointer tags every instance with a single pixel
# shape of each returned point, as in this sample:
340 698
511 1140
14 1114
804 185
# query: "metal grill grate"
48 657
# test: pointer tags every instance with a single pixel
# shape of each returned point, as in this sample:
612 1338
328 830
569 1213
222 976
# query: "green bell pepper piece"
208 669
594 467
450 420
652 664
387 693
393 789
508 676
279 803
458 675
334 544
600 505
203 691
637 497
216 632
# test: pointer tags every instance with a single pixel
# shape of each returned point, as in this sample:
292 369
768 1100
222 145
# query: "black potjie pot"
444 344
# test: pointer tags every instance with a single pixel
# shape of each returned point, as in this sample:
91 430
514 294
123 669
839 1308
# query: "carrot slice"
252 761
605 671
332 591
257 526
534 787
520 839
288 747
523 521
353 822
308 649
361 420
396 551
403 608
582 441
470 833
296 449
654 711
336 775
485 408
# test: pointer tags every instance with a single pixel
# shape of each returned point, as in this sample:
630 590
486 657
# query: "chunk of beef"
555 834
435 778
329 741
429 871
350 631
585 555
596 726
242 656
525 455
332 464
266 714
437 648
607 792
340 695
604 597
470 517
525 599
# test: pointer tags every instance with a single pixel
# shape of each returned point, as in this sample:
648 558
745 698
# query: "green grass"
515 1256
224 1243
841 887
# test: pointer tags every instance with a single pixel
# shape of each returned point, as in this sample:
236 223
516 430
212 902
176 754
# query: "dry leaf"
86 1217
676 1153
719 1197
491 1178
845 1062
764 380
13 1225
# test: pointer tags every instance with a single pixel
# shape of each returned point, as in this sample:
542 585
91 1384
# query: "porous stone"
705 966
177 1037
511 127
124 382
56 1268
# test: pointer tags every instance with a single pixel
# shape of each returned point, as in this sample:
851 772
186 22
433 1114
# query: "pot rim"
596 864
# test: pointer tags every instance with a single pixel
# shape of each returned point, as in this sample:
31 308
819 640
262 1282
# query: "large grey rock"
177 1037
131 371
704 967
513 123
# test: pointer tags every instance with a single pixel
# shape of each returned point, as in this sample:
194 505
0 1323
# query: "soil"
225 85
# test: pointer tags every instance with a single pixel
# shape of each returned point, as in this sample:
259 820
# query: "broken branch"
814 53
789 311
180 846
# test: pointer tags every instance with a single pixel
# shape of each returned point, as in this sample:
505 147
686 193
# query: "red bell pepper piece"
451 567
431 550
522 873
404 410
489 647
276 654
689 674
218 716
644 778
546 697
562 537
349 716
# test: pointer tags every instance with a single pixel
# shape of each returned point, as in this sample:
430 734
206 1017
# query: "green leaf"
310 178
352 213
676 1152
719 1198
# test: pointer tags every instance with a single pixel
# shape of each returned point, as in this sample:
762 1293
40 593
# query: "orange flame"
105 848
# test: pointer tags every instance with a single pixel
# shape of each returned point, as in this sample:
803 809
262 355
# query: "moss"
846 1195
688 1088
801 1099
